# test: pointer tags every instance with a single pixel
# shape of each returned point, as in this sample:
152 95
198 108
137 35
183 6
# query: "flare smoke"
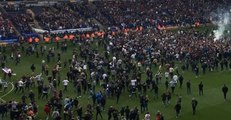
222 23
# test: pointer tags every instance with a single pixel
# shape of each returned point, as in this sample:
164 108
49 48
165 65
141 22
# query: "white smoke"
222 23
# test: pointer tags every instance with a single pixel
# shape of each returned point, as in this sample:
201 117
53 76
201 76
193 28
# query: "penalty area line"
12 88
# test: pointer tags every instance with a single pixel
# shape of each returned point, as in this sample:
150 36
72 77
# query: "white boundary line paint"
2 100
12 88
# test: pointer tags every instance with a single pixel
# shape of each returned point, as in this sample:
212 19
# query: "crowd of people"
22 22
115 70
20 19
122 14
112 65
153 13
6 27
60 16
91 11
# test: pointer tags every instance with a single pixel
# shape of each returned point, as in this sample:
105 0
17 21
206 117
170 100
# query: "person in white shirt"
160 68
171 70
104 76
177 56
175 78
133 56
55 114
172 85
92 75
166 74
66 100
114 59
147 116
133 83
85 67
21 85
133 88
139 64
65 83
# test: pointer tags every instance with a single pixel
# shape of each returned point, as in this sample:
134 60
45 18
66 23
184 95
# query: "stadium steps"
35 24
4 12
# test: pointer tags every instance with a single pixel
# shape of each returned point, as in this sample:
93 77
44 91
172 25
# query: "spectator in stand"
62 18
22 22
6 27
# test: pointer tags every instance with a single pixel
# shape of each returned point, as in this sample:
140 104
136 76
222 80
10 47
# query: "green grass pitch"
211 106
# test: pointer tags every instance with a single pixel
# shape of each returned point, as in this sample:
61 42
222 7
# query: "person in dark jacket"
178 109
200 86
127 112
110 111
79 112
194 105
1 110
225 91
32 67
181 79
188 85
98 112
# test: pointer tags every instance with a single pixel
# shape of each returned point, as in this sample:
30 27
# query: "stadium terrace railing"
41 31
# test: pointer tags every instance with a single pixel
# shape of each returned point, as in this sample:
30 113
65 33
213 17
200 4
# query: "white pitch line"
2 100
7 92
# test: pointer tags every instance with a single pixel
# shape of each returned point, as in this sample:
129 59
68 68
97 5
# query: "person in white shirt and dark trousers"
65 83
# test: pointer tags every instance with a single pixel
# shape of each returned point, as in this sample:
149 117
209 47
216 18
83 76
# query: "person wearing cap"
194 105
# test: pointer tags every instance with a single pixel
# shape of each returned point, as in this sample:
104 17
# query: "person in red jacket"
159 116
47 110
